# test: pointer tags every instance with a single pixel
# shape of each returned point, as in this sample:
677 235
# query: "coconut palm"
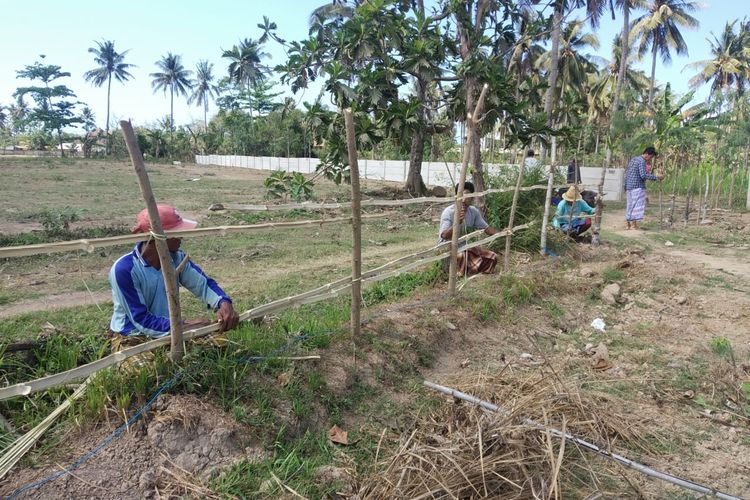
594 10
204 88
729 63
573 66
110 64
245 68
173 77
659 31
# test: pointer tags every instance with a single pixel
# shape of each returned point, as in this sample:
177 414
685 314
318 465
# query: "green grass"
721 346
613 275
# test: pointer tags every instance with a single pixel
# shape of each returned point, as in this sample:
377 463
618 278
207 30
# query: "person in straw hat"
567 218
140 298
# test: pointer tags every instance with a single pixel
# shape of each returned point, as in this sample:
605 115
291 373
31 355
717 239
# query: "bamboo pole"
547 202
471 120
595 238
370 203
177 349
89 246
643 469
351 143
514 204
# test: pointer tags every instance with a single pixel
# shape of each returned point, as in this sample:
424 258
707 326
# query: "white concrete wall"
433 173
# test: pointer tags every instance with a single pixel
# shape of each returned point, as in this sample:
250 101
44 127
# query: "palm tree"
110 63
573 66
659 31
173 77
204 88
729 65
245 68
594 11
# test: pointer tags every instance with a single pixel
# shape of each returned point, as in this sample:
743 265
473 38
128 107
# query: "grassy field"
675 395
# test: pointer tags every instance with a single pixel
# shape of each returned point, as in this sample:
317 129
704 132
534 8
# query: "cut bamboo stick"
351 144
371 203
89 245
177 350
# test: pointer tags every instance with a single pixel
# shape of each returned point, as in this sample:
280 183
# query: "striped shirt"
140 297
636 175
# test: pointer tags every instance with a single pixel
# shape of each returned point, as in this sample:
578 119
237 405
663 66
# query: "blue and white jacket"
140 297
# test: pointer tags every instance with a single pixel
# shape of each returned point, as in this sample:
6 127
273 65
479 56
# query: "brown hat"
572 194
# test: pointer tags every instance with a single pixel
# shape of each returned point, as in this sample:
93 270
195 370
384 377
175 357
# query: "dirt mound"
183 443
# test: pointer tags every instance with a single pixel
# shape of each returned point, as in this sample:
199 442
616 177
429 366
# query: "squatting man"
140 297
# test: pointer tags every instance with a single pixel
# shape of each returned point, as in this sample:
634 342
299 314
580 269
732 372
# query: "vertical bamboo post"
595 239
167 266
548 198
351 143
471 122
514 204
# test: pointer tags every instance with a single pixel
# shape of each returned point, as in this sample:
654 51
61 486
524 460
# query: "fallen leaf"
338 435
284 378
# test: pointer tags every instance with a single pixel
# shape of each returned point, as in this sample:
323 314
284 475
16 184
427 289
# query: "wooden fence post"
351 142
514 204
471 120
157 232
548 197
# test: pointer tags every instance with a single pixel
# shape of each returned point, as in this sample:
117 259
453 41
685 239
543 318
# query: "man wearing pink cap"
138 291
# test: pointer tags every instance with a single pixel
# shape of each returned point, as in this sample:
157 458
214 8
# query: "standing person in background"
530 163
635 186
574 172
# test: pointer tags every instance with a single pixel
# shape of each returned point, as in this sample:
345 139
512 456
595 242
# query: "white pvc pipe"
664 476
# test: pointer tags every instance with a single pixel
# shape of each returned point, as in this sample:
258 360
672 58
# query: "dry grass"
463 451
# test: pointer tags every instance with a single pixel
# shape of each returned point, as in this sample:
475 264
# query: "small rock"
706 222
680 299
611 293
450 326
586 272
216 206
434 312
668 244
439 191
588 347
628 306
526 355
147 480
465 363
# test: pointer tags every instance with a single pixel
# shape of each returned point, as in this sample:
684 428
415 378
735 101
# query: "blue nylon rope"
136 416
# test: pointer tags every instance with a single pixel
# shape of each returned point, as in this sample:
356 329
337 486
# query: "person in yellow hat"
573 205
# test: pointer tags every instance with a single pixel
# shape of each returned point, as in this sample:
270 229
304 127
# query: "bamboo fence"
89 245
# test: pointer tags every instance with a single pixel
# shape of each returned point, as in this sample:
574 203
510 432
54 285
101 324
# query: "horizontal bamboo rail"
324 292
89 245
371 203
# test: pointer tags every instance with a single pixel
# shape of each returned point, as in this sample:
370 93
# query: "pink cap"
171 220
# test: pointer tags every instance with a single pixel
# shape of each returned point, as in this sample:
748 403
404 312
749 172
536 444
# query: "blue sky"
63 31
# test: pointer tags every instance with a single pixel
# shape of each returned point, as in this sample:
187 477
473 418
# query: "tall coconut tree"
658 31
173 77
204 88
594 11
728 65
573 65
245 68
110 63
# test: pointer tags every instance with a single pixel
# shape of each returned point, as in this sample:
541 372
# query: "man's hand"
227 316
461 214
660 176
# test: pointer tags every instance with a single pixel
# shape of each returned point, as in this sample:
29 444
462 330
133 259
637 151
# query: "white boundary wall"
433 173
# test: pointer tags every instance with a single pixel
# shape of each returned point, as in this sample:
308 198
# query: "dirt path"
55 302
717 259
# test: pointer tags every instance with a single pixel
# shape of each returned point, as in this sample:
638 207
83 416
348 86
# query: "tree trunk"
625 41
553 69
108 149
653 77
414 183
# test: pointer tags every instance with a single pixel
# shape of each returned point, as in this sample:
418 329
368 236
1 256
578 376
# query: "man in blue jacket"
138 291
